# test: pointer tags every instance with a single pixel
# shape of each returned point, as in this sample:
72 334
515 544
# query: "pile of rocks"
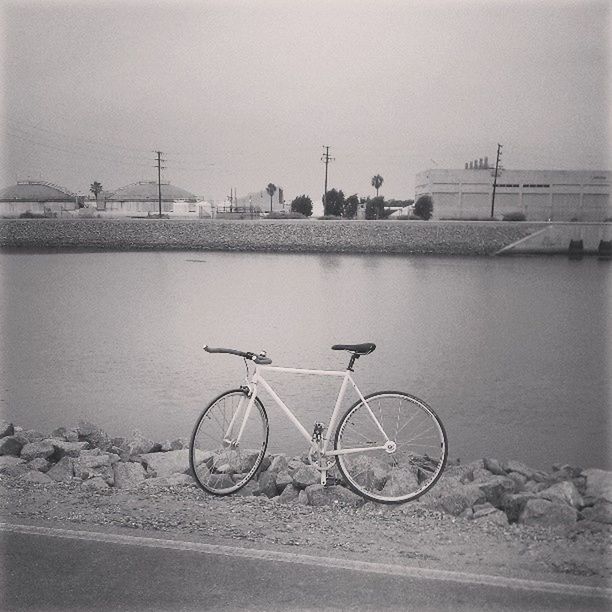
508 492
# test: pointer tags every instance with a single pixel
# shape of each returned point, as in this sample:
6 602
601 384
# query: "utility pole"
499 148
326 159
159 169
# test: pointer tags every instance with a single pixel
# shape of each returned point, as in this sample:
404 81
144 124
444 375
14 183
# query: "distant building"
142 199
557 195
252 204
38 198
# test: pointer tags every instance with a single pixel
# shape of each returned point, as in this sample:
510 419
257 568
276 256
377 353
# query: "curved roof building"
147 191
36 191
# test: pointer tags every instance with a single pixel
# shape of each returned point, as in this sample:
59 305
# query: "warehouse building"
39 198
541 195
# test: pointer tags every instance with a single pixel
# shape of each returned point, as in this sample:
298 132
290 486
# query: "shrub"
405 218
423 207
302 205
514 216
30 215
284 215
329 218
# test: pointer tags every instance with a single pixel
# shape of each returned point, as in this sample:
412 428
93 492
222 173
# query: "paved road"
61 569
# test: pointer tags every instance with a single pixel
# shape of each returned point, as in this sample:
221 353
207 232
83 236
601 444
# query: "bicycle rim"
410 466
219 464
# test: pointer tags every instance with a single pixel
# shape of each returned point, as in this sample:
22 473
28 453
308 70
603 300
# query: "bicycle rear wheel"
221 465
405 469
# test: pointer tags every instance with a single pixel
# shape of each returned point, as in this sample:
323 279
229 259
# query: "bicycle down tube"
258 378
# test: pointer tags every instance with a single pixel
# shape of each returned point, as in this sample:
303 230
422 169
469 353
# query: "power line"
499 148
326 159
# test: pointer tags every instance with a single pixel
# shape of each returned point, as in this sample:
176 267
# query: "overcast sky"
238 94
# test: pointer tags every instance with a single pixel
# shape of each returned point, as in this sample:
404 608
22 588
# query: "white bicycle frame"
258 379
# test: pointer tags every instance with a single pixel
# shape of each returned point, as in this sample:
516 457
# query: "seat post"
352 362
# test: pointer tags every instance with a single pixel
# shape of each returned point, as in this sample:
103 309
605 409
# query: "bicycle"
389 446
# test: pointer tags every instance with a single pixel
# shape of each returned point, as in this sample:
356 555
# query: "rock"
9 461
173 462
302 498
230 461
6 428
12 445
532 486
368 471
305 476
566 472
128 475
266 485
64 448
94 466
480 510
12 466
177 444
279 463
521 468
40 465
220 481
289 494
519 479
294 464
37 450
62 471
31 435
399 482
96 437
496 518
463 472
318 495
138 444
496 487
37 477
598 484
283 479
545 513
248 489
481 475
562 492
95 484
466 497
494 466
601 512
513 505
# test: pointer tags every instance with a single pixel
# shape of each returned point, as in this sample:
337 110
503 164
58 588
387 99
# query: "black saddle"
357 349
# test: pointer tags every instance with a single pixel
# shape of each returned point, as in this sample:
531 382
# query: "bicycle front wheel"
220 462
415 447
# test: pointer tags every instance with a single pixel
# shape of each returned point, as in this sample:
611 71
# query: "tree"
424 207
271 189
377 182
334 202
375 208
350 207
95 188
302 204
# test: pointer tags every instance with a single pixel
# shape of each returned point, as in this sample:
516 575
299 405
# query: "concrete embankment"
299 236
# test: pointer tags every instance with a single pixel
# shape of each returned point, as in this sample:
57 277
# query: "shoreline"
447 238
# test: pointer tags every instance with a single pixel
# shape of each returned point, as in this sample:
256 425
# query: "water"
511 353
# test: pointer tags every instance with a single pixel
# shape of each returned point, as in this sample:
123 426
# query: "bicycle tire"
218 467
391 476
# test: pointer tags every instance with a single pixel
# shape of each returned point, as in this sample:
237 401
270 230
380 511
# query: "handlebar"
260 359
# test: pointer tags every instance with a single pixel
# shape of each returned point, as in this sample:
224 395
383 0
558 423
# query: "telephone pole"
326 159
159 169
499 148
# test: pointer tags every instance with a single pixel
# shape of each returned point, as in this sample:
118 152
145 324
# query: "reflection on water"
510 352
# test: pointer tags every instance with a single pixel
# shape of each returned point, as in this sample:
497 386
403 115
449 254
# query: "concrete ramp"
556 238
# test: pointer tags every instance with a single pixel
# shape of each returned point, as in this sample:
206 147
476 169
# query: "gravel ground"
409 534
399 237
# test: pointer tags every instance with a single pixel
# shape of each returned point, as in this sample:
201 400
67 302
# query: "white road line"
328 562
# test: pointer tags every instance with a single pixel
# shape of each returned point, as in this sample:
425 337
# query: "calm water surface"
511 353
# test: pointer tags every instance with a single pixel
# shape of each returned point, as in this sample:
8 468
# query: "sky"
238 94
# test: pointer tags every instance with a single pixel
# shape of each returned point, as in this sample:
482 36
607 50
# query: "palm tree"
377 181
95 188
271 189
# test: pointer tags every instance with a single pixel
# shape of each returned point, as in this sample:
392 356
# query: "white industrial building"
38 198
541 195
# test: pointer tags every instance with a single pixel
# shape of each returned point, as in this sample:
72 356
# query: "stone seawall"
290 236
503 492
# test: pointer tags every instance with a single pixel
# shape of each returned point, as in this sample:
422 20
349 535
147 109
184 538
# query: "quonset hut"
142 199
39 198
